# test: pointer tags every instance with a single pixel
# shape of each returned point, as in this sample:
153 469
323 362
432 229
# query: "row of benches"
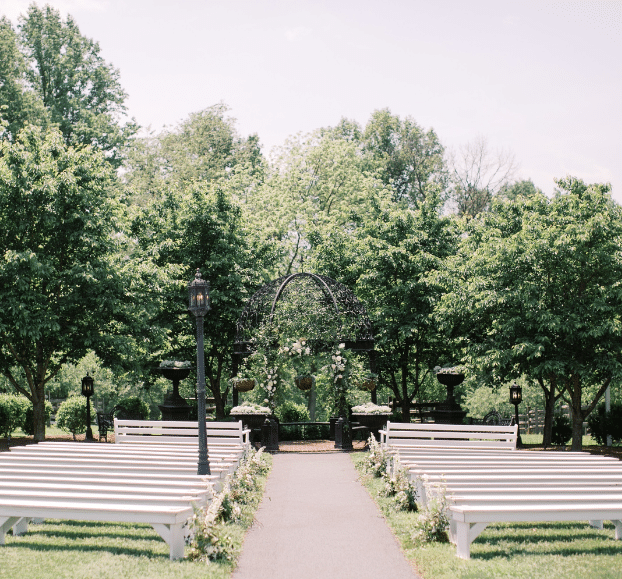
148 477
487 480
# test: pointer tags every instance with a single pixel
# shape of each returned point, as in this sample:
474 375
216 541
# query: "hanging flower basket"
244 385
369 383
304 382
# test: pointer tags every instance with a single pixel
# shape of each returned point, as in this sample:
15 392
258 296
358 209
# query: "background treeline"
102 227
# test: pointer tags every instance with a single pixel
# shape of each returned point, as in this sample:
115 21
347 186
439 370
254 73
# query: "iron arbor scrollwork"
328 308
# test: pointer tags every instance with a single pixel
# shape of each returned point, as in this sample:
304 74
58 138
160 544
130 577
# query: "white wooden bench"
57 482
166 519
468 520
219 434
430 435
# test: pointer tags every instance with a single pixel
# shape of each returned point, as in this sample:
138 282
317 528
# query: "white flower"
342 346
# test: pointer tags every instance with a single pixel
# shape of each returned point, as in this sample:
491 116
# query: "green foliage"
535 290
132 407
289 411
603 424
81 93
398 485
210 538
71 415
377 459
432 524
562 430
389 258
28 425
12 413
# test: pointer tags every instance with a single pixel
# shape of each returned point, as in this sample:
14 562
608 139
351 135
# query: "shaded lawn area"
86 549
568 550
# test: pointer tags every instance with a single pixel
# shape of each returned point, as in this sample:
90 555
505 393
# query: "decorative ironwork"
315 306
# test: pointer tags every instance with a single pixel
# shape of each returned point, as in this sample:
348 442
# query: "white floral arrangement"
370 408
175 364
339 364
250 408
297 350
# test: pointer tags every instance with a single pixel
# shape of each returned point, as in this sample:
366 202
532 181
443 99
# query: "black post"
203 466
89 430
343 435
519 442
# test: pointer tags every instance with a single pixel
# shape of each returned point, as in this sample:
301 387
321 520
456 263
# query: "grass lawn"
520 550
92 550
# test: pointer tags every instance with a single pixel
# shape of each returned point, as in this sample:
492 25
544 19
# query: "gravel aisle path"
317 521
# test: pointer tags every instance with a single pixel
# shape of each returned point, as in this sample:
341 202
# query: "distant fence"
532 421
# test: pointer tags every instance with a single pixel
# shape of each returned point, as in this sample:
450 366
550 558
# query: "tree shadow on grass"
138 551
564 542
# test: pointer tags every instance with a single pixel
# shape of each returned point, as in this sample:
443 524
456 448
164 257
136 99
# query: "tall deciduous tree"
387 259
410 159
201 226
79 89
18 104
536 289
477 175
60 286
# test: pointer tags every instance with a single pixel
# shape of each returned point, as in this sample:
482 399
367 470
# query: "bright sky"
540 78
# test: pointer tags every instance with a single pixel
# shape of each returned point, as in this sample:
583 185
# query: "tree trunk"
405 398
38 414
577 414
312 403
549 410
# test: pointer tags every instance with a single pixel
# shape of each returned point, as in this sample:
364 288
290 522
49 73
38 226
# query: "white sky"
541 78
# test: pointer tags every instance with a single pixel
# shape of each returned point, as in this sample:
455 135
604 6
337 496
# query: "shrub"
432 524
603 423
12 412
132 408
71 415
562 430
291 412
29 425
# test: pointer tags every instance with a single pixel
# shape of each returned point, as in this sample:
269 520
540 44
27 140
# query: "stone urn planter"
449 411
174 407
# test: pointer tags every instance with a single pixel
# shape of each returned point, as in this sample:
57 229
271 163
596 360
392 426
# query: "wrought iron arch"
353 326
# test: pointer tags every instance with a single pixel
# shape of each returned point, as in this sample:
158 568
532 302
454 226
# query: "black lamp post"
87 390
198 290
516 397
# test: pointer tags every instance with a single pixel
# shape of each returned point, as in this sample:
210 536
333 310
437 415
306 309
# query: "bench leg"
618 525
5 524
21 527
465 534
596 524
174 537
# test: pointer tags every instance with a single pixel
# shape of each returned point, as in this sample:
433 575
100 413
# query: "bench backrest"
450 435
180 432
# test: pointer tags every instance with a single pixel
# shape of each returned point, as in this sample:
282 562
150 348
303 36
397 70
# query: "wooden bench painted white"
398 434
179 432
469 520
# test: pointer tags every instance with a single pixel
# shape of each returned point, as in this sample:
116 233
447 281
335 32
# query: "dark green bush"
12 412
71 415
602 423
562 430
291 412
29 426
132 408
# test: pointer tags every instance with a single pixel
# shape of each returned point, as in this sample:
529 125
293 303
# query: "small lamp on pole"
87 390
516 397
198 290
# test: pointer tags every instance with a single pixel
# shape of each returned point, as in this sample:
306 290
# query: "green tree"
388 259
61 284
81 92
536 290
201 227
18 104
410 159
204 147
